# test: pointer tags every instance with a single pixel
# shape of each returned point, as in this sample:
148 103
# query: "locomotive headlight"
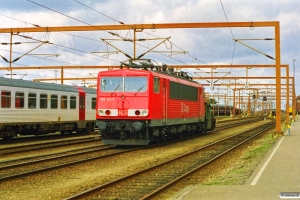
100 112
144 113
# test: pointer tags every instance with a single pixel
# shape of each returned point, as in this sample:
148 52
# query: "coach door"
81 109
164 101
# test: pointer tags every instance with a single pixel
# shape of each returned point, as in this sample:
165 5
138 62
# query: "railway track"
74 141
147 183
29 165
228 120
40 138
37 165
228 123
45 145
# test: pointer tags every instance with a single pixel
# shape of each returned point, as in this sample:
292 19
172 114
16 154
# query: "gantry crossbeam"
272 24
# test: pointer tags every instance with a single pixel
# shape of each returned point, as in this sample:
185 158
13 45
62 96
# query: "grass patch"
240 167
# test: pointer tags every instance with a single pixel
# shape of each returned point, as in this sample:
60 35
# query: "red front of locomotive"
137 107
123 105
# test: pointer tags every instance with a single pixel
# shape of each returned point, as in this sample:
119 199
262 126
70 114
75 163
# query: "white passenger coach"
33 108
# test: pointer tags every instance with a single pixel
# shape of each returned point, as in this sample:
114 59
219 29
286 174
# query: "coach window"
64 102
73 102
19 100
43 101
54 101
32 100
93 103
156 84
5 99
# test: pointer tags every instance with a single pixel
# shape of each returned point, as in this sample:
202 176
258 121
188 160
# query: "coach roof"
45 86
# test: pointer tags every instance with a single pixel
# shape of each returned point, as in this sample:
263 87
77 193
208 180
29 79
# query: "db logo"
184 108
123 113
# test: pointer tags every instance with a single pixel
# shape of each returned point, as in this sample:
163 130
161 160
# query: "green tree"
212 101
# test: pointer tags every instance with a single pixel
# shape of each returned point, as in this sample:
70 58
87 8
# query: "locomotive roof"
45 86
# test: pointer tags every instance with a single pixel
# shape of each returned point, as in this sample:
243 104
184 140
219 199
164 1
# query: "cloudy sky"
185 47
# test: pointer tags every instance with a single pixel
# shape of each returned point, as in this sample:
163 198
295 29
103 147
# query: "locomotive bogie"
128 133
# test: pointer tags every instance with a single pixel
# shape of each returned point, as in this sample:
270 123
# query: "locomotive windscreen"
124 84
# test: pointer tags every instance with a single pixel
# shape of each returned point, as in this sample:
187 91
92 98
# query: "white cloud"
206 45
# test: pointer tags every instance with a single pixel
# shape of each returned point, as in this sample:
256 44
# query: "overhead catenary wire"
255 50
73 49
102 30
145 32
226 18
28 37
37 57
57 45
99 12
63 14
233 51
40 26
81 21
50 60
131 40
20 20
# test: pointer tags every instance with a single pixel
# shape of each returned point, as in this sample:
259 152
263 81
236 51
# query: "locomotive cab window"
64 102
135 84
54 101
124 84
43 101
32 100
73 102
19 100
156 84
5 99
111 84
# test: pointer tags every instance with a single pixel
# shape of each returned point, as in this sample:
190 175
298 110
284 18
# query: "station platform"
276 177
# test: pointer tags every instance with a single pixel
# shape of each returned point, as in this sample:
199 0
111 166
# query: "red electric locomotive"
139 107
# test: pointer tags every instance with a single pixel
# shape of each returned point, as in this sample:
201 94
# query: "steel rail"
46 145
168 185
81 161
103 187
33 172
45 158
